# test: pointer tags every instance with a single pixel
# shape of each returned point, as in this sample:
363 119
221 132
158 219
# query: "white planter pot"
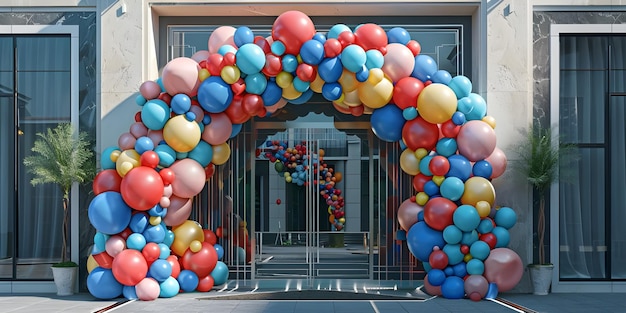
65 280
541 277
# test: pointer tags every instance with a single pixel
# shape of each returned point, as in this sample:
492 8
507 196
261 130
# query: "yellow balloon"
180 134
195 246
342 220
483 208
478 189
438 180
126 161
115 154
221 153
288 179
317 84
436 103
155 220
490 120
290 92
378 94
348 81
230 74
375 76
421 153
284 79
421 198
409 163
184 235
351 98
91 263
467 257
203 74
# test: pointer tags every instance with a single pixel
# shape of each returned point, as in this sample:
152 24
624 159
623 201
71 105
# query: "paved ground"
191 302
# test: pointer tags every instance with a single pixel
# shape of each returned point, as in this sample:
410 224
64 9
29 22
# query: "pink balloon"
156 136
181 76
165 202
198 111
126 141
476 284
200 56
114 245
138 129
167 191
430 289
407 214
476 140
148 289
150 90
498 162
504 267
178 211
190 178
218 130
399 62
223 35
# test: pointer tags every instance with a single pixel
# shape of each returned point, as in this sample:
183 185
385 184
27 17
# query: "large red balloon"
202 262
107 180
438 213
293 29
405 92
417 133
129 267
371 36
142 188
235 111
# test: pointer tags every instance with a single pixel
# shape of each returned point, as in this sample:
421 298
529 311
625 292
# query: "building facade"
554 62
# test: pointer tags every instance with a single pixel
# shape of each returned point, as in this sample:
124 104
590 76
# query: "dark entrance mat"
316 295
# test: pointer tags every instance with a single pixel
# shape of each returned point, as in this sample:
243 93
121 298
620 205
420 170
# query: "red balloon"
138 117
465 249
142 188
107 180
293 29
278 201
201 262
419 181
341 108
357 110
151 251
417 133
125 233
371 36
438 213
306 72
263 43
252 104
439 165
149 159
103 259
438 259
229 59
173 261
238 87
235 111
219 231
332 48
273 65
205 284
129 267
449 129
167 175
209 236
490 239
414 46
209 170
214 64
406 91
346 38
165 97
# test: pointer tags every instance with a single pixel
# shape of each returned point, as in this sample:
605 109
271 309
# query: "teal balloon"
505 217
290 63
466 218
100 240
480 250
202 153
140 100
300 85
169 288
154 114
278 48
220 273
409 113
446 146
105 158
169 238
375 59
502 236
166 154
424 165
461 86
473 107
455 256
226 49
353 58
452 234
250 58
256 83
469 237
136 241
475 267
452 188
485 226
336 30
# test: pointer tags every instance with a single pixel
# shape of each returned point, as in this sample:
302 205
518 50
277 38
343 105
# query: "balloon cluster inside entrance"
146 246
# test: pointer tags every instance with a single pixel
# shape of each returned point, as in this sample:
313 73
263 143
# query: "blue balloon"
398 35
401 235
271 94
160 270
188 280
214 94
236 130
505 217
482 168
452 234
256 83
424 165
332 91
155 233
102 285
250 58
304 97
446 146
453 288
166 154
99 241
410 113
278 48
129 292
421 239
425 67
143 144
169 238
202 153
136 241
336 30
442 77
330 69
290 63
220 251
375 59
485 226
460 167
353 58
461 86
455 256
449 270
473 107
466 218
181 103
140 100
469 237
458 118
480 250
165 251
154 114
105 158
431 188
220 272
436 277
169 288
312 52
502 236
387 123
108 213
139 222
492 292
320 37
243 35
460 269
363 74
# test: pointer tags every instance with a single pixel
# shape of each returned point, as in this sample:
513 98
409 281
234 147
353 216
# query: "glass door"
617 165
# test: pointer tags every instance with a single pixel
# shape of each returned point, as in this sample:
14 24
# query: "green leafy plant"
62 157
542 159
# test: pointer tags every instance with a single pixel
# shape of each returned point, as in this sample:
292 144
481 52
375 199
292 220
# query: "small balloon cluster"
294 165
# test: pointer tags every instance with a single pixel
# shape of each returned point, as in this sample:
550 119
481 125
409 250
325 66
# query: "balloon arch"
145 245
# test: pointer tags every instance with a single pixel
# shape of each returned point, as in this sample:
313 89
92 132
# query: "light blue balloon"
278 48
300 85
250 58
242 36
469 237
336 30
502 236
480 250
290 63
466 218
220 272
202 153
461 86
169 238
409 113
165 251
136 241
455 256
424 165
256 83
442 77
226 49
154 114
220 251
143 144
475 267
485 226
100 240
452 234
166 154
169 288
398 35
452 188
140 100
375 59
446 146
505 217
353 58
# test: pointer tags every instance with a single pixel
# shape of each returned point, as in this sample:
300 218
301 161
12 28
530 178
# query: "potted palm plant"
63 157
542 157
